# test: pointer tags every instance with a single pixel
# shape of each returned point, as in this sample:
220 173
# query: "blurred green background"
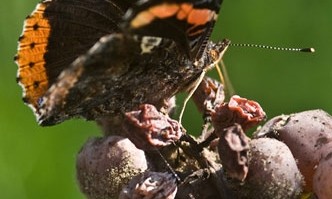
38 162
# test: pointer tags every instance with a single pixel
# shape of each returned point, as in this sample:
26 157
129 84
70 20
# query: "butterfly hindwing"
90 83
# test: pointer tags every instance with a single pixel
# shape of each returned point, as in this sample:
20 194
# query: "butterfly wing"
93 85
55 34
115 75
188 22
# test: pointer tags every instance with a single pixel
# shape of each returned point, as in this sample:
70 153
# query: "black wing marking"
188 23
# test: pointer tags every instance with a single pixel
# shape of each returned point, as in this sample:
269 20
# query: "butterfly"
100 58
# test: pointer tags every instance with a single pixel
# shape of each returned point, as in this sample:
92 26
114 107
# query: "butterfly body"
101 65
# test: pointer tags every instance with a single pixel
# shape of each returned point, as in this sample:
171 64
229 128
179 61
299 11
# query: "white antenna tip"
309 50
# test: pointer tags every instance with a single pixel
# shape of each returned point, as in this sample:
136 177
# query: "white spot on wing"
148 43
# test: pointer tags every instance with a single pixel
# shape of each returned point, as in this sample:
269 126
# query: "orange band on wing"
30 56
184 11
165 10
200 16
142 19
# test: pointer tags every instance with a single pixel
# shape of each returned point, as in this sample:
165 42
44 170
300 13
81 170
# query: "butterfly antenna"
306 50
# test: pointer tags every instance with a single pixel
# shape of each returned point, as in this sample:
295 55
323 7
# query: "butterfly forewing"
55 34
188 23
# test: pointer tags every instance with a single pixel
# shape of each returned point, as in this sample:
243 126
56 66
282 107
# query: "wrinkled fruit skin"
150 185
104 165
150 129
233 147
266 167
273 173
238 110
306 134
209 94
322 180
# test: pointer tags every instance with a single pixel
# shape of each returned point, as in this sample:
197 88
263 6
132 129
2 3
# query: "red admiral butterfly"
101 58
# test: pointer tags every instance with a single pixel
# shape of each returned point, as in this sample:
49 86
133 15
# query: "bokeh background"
38 162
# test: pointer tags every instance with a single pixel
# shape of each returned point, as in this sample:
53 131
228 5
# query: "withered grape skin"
306 134
150 129
104 165
273 173
233 147
150 185
269 166
322 180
